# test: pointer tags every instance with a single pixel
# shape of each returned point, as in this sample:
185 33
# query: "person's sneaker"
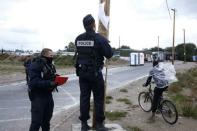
101 127
85 126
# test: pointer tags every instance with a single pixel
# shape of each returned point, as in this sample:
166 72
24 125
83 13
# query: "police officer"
91 48
26 64
41 84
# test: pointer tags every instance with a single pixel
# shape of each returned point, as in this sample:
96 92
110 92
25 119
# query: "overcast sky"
34 24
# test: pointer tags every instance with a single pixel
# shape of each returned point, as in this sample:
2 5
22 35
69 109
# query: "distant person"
161 85
91 48
41 84
26 64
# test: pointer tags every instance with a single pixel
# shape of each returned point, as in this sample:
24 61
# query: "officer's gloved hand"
57 75
53 85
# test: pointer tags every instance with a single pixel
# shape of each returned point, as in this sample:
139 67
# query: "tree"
168 49
190 49
156 49
124 47
113 49
71 47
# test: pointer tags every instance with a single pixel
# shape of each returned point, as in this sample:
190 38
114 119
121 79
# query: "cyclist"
158 76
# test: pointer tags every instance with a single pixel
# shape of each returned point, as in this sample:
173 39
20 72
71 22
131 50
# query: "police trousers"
90 84
41 112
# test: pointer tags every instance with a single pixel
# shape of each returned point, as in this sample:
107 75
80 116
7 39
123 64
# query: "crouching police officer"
41 84
91 50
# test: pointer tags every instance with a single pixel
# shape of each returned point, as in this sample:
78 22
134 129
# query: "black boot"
101 127
85 126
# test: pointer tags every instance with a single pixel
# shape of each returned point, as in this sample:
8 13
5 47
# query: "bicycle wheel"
145 101
169 112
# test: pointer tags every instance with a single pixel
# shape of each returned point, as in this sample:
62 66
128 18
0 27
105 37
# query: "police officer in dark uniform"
91 48
41 84
26 64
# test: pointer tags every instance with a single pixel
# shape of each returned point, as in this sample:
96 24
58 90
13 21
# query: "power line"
168 9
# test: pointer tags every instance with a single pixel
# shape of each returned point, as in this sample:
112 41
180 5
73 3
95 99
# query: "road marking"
128 82
11 120
25 107
69 115
15 100
13 84
70 95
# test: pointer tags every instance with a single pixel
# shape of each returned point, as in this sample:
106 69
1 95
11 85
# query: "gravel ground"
135 116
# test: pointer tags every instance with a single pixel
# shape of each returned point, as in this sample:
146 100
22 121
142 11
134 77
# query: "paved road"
15 105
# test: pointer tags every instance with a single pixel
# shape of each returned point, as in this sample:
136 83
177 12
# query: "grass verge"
186 104
115 115
124 90
108 99
133 128
125 100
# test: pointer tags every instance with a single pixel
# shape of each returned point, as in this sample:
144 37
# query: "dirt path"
135 117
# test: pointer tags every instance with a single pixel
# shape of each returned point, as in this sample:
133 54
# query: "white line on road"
70 95
13 84
25 107
129 82
15 100
11 120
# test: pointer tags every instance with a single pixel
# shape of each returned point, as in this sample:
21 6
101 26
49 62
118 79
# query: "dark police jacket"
91 49
27 63
41 74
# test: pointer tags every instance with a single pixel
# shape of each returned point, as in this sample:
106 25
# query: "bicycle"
165 106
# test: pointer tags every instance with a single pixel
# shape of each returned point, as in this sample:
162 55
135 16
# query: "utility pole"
184 45
173 40
104 32
158 44
119 42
